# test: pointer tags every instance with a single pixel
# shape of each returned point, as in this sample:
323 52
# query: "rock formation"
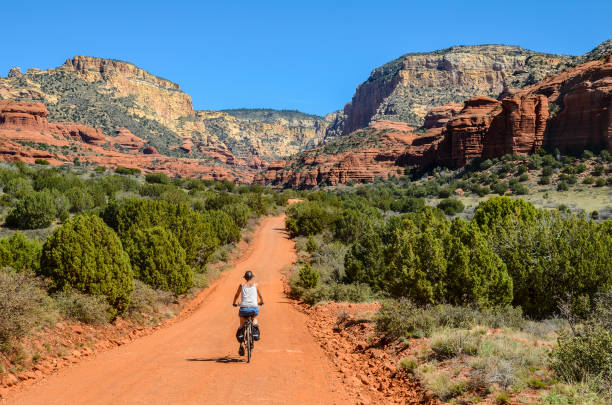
406 88
571 111
26 135
438 117
157 111
20 115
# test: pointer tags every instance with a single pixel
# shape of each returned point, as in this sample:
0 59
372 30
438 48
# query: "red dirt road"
195 360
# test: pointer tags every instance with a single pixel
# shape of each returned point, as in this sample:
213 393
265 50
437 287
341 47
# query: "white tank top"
249 296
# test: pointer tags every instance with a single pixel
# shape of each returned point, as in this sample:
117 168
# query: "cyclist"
250 296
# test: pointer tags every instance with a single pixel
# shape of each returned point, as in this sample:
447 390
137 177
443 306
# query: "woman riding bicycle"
250 296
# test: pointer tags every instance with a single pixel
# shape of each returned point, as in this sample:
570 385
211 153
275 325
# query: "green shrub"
225 228
87 255
451 206
20 253
553 257
600 182
588 180
147 303
80 200
544 180
547 171
156 190
54 179
524 177
18 187
24 305
364 261
448 344
309 277
100 169
306 218
597 170
311 244
409 364
42 162
159 178
127 170
496 209
350 224
92 309
587 154
239 212
562 186
32 211
584 357
402 318
193 230
475 274
158 259
486 164
445 192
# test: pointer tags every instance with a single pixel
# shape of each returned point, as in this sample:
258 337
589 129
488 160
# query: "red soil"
369 367
194 359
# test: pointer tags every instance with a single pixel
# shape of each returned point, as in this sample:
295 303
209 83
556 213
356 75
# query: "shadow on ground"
224 359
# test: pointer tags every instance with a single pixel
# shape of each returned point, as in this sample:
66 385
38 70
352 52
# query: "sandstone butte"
571 111
26 135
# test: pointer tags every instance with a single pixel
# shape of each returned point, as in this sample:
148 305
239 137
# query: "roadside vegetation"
510 302
93 246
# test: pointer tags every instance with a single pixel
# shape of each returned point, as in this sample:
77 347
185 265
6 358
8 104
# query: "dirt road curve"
195 361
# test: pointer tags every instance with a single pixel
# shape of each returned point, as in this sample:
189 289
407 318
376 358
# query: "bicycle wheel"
248 338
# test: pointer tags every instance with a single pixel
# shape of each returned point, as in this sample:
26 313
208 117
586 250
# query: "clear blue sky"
306 55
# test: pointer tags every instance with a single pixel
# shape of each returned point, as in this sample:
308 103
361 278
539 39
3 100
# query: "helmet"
248 275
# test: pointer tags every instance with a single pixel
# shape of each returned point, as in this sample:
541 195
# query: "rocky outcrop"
150 150
155 98
466 131
26 135
407 88
438 117
157 111
267 134
21 115
15 72
125 140
581 105
571 111
79 132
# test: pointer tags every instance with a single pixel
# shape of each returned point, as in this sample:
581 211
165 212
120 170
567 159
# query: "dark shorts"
245 312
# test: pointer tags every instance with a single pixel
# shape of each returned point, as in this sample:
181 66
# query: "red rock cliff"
21 115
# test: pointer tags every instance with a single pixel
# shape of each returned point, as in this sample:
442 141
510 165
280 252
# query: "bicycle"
248 336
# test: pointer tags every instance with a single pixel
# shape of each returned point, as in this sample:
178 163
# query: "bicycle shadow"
224 359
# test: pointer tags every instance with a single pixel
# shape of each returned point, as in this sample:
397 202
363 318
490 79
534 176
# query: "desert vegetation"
93 246
506 302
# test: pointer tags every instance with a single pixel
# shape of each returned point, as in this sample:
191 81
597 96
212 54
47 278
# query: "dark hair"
248 275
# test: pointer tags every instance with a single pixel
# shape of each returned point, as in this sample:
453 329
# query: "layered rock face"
20 115
156 110
154 97
267 134
581 98
571 111
438 117
406 88
23 124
